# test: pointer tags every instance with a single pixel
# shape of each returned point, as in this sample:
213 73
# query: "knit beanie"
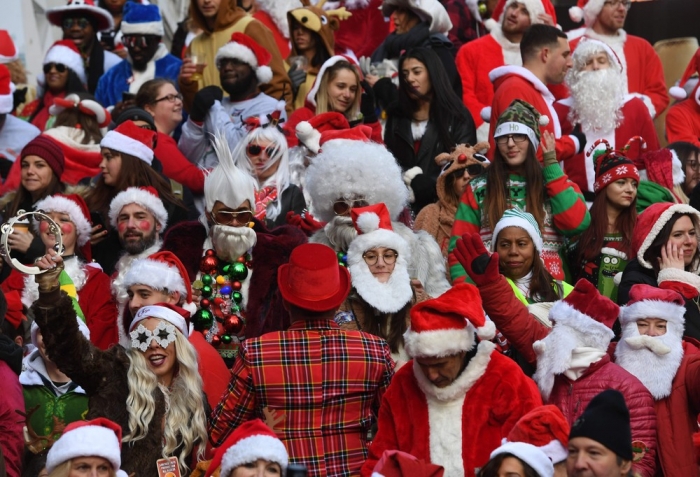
47 149
610 167
519 218
606 420
521 118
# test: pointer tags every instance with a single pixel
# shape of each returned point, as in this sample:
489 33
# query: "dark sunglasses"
142 41
343 206
475 169
255 150
227 217
81 22
60 67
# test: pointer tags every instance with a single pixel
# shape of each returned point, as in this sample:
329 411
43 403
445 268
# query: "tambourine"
8 227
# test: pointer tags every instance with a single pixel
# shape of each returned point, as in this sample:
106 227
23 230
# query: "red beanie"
47 149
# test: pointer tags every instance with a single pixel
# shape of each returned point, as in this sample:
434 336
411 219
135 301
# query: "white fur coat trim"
659 225
464 382
676 275
526 74
511 51
653 309
445 422
563 314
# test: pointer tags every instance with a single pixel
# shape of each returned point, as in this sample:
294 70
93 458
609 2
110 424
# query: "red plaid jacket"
325 384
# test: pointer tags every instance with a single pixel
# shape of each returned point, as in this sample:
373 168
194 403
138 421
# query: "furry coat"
264 311
103 376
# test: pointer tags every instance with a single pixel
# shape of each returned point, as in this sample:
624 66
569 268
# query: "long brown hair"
133 173
497 194
653 253
322 101
22 195
74 118
397 324
591 241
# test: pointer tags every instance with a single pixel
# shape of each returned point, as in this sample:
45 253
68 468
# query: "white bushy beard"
597 99
554 355
340 231
654 360
232 242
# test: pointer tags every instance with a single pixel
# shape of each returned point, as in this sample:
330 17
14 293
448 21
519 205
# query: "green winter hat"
521 118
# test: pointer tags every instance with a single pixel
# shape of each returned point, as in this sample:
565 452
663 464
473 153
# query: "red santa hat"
361 133
96 438
309 132
85 105
146 197
311 97
130 139
15 309
66 53
99 15
534 8
693 69
587 10
650 223
161 271
662 166
244 48
175 315
79 213
8 50
546 428
531 455
585 309
395 463
646 301
6 90
445 325
251 441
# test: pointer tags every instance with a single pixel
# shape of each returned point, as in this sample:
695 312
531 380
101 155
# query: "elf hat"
99 438
521 118
650 223
646 301
519 218
693 68
146 197
85 105
251 441
141 19
130 139
534 8
587 10
176 316
161 271
6 90
309 132
8 50
65 52
445 325
546 428
78 211
311 97
244 48
531 455
87 8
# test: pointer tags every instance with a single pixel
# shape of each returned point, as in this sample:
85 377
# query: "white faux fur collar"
611 40
524 73
676 275
507 46
464 382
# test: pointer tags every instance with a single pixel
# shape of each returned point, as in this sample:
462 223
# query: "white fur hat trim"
70 58
555 450
145 28
251 449
163 313
155 274
56 203
246 55
653 309
591 11
122 143
309 136
85 441
659 225
563 314
438 343
135 195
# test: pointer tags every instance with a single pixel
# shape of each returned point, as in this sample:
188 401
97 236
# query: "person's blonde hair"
63 469
185 419
322 100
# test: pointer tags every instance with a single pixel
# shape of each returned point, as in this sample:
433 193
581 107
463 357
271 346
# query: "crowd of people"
366 237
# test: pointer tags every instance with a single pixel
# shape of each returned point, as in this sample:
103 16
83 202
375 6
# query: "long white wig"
185 419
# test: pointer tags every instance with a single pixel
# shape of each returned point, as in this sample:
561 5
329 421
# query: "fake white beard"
232 242
654 360
554 356
388 297
340 232
597 99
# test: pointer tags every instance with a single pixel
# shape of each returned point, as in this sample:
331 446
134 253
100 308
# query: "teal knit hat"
518 218
521 118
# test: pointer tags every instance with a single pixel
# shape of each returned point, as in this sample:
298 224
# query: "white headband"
154 311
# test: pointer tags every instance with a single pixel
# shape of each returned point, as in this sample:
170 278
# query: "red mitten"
481 266
305 222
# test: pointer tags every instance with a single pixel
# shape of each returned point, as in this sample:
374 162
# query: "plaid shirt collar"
313 325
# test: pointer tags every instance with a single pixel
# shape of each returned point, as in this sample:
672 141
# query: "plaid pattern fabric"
325 383
464 25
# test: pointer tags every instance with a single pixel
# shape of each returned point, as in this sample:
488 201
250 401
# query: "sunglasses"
475 169
342 206
81 22
255 150
60 67
227 217
141 41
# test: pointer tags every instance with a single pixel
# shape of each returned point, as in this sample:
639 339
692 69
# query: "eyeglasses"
255 150
82 23
517 138
616 3
60 67
227 217
171 98
389 257
343 206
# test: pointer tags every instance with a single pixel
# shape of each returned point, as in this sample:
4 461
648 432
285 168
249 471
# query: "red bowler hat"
313 279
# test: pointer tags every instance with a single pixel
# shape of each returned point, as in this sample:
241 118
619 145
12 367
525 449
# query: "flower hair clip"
141 337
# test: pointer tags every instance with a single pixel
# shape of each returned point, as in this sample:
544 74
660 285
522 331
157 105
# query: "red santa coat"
683 120
645 74
516 82
457 426
474 61
636 122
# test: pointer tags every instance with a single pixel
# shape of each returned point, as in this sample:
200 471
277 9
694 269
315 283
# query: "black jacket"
292 199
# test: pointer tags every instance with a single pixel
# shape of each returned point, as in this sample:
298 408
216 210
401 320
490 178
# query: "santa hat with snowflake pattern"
244 48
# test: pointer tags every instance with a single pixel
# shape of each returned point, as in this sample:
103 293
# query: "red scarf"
262 198
43 116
